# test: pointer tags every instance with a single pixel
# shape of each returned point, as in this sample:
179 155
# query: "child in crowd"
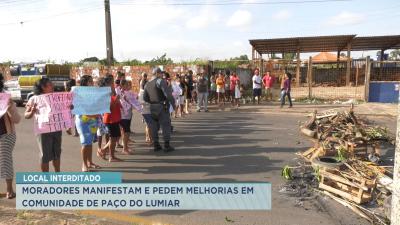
68 87
112 119
128 102
145 109
49 143
176 92
126 116
220 89
87 126
101 130
237 93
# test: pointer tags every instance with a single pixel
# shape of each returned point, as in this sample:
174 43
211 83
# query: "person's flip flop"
94 166
10 195
127 152
115 160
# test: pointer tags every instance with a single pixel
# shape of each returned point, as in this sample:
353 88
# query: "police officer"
159 96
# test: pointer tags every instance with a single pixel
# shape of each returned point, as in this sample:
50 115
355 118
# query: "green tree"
241 57
132 62
90 59
394 55
103 62
289 56
162 60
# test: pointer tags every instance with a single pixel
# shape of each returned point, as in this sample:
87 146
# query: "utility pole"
395 212
110 50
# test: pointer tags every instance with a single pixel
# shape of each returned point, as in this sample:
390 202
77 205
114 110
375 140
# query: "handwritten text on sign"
91 100
54 112
4 99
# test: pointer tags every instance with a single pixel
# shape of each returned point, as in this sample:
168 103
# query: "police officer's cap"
157 71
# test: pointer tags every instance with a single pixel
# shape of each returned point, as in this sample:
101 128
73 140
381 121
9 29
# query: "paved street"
250 144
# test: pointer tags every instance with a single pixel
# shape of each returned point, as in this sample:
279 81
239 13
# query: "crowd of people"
161 96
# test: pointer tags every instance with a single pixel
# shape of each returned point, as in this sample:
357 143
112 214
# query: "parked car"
12 87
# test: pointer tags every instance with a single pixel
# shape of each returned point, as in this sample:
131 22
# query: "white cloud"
240 19
345 18
282 15
144 17
248 1
139 31
206 17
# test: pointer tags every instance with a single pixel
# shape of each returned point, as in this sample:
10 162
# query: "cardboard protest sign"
53 112
4 99
91 100
131 98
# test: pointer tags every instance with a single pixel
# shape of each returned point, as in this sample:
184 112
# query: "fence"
322 80
327 80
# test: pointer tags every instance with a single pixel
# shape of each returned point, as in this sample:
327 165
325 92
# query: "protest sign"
4 99
91 100
131 98
53 112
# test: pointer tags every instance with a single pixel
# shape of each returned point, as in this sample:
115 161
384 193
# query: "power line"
230 3
82 10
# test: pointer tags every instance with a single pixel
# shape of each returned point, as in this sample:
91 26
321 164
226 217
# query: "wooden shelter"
336 43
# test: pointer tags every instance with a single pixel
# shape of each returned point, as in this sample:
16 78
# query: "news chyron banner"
106 191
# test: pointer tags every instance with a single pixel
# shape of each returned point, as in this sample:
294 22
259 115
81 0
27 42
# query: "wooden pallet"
357 150
312 153
351 187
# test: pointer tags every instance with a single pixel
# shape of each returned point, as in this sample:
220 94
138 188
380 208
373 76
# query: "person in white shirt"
257 81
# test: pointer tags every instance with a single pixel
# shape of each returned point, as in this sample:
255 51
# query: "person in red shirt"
268 82
112 119
233 79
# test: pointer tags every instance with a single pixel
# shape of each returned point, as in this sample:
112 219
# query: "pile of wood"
341 133
348 176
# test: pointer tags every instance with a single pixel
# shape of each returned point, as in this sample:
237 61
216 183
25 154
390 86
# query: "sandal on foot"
10 195
115 159
94 166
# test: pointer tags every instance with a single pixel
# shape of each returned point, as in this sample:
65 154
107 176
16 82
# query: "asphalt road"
219 146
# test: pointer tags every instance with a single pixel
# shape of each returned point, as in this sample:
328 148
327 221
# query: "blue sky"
72 29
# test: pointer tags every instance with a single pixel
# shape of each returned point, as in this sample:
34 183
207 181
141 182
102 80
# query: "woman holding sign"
87 129
49 143
8 118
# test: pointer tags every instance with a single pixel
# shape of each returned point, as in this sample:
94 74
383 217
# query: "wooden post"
348 65
357 71
367 78
338 59
395 212
298 69
261 65
309 77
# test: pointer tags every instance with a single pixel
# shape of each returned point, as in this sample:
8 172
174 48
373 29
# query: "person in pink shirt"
268 82
233 79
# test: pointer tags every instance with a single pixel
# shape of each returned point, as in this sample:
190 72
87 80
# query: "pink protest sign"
53 112
4 99
132 99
